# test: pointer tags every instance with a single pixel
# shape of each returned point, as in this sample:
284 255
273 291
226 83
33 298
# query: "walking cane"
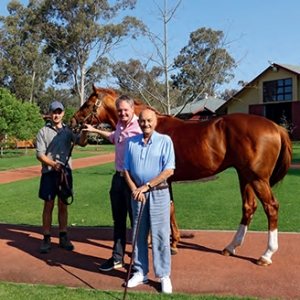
134 244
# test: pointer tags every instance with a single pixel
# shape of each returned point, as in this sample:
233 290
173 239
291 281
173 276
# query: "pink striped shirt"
120 136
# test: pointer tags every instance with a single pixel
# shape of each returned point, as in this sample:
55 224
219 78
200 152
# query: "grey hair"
125 98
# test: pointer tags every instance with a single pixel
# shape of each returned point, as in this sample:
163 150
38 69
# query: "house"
200 109
274 94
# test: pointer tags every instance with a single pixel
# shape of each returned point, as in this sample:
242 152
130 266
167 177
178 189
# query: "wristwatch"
148 185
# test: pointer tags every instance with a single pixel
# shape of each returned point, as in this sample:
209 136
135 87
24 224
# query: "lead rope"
64 175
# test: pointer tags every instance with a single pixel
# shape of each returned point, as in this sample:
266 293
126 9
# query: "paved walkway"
198 268
34 171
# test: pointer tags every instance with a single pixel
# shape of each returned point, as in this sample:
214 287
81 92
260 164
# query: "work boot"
46 245
65 243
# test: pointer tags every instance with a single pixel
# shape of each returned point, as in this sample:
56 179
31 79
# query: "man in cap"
53 148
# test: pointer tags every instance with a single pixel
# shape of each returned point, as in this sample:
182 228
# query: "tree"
163 52
31 122
25 68
80 33
17 120
64 96
227 94
69 112
204 64
133 78
154 85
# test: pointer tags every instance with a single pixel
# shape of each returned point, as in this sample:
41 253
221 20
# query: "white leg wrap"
238 238
272 246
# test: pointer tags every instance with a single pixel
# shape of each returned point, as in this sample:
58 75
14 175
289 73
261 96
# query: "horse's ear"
94 88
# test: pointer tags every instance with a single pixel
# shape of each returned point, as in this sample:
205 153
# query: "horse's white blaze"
272 245
238 238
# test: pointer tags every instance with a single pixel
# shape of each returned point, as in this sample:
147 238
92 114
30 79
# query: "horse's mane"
110 92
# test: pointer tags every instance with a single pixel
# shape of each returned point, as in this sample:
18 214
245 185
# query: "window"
277 90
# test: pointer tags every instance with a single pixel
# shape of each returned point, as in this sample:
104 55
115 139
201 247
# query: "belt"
157 188
163 185
121 174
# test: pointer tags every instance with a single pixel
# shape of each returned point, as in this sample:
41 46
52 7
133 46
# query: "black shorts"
48 184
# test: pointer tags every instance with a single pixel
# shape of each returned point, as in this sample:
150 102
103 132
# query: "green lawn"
200 205
12 291
296 151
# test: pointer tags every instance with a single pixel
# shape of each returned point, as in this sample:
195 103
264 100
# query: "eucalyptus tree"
204 64
80 33
228 93
25 68
52 93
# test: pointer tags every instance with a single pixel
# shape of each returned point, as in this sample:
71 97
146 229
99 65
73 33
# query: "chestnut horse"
259 150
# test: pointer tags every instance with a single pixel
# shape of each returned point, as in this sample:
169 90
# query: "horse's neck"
113 122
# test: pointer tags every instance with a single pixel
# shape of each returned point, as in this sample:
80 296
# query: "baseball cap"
56 105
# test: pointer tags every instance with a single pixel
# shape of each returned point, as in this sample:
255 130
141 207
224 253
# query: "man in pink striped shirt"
120 194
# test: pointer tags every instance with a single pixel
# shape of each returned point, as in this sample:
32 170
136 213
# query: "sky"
259 31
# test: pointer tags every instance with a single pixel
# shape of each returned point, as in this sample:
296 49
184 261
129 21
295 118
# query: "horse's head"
98 108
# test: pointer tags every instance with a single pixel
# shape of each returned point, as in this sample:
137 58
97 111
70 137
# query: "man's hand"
57 167
88 128
138 194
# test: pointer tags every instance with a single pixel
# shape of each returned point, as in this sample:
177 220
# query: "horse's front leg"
175 234
249 208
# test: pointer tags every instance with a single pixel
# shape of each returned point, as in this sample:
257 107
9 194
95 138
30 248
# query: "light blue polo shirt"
144 162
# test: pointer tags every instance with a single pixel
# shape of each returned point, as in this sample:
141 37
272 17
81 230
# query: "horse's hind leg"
175 234
263 191
271 206
249 208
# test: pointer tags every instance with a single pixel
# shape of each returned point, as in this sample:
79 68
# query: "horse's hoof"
226 252
174 251
263 262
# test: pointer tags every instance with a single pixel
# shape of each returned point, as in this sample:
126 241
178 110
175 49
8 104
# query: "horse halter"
92 115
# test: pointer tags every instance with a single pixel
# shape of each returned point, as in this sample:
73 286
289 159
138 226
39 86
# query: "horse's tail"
285 157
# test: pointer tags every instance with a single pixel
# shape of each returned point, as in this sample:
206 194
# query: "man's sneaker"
111 264
65 243
166 285
46 246
137 279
